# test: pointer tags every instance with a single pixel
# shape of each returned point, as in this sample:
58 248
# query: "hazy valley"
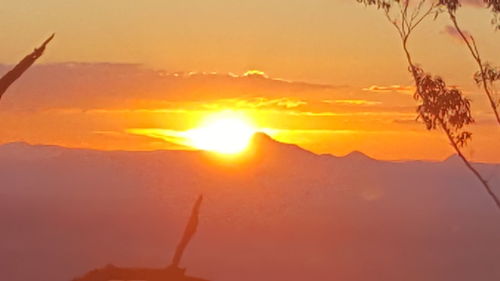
282 213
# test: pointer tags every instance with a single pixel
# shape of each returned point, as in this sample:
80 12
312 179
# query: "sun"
225 133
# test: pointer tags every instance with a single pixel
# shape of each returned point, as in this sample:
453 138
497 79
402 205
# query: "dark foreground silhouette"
22 66
112 272
170 273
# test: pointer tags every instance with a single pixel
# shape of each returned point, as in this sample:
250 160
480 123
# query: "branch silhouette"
486 75
440 107
11 76
494 6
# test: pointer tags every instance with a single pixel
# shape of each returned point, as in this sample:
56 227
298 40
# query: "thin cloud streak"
451 32
391 88
353 102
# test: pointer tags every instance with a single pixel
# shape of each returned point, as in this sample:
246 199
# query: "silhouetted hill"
269 152
281 214
265 144
358 156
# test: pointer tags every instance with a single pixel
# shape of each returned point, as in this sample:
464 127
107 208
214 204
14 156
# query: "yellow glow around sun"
226 133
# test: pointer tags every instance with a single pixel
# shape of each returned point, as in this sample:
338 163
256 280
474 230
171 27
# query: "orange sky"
330 70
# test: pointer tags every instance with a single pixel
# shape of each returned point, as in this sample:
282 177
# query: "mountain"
279 213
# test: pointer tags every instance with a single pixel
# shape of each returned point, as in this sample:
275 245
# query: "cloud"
353 102
256 103
106 88
411 121
179 138
257 73
344 114
171 136
454 34
107 85
391 88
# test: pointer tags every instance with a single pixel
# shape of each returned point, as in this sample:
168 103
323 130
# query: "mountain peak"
358 155
263 143
454 158
262 138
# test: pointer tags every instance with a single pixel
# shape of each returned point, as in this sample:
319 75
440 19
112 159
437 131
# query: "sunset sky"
328 75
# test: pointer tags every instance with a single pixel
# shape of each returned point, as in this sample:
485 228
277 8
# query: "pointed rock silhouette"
171 273
22 66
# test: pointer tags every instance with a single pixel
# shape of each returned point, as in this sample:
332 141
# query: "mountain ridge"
260 142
